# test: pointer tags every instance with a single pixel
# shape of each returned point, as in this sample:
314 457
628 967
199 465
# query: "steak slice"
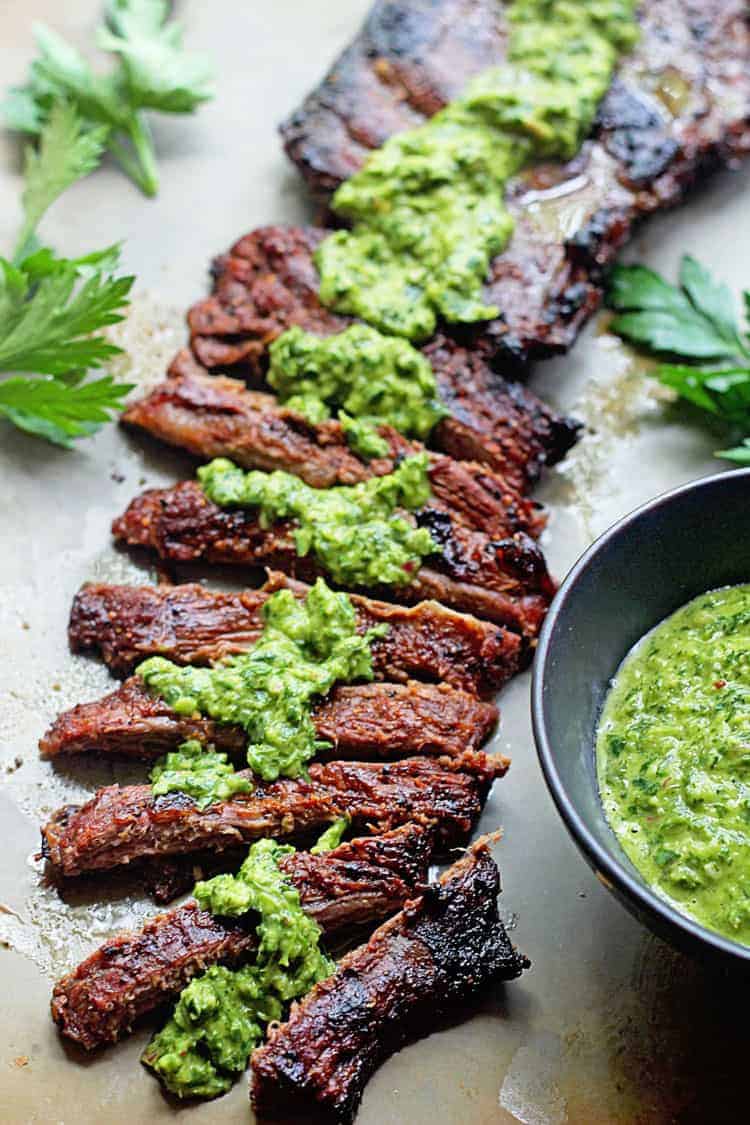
356 883
212 416
122 824
365 721
679 106
192 625
505 581
442 950
268 282
501 425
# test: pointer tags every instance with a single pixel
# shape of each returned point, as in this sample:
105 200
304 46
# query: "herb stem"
143 143
141 167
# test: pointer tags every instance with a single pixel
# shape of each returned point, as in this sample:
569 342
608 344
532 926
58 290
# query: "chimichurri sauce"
371 378
354 531
221 1016
305 648
673 757
427 209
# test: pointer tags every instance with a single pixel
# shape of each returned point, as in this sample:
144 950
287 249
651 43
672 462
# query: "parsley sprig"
695 323
52 309
153 72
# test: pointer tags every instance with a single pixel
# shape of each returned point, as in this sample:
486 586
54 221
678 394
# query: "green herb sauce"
220 1017
332 836
305 648
428 209
371 379
353 531
673 754
203 773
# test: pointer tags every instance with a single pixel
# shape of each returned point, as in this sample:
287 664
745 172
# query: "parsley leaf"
52 309
740 454
695 320
57 411
67 152
49 315
61 73
724 392
158 72
692 321
153 72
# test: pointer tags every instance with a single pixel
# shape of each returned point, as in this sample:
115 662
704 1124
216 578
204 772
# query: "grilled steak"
218 417
365 721
440 951
503 580
499 424
192 625
134 973
121 824
679 106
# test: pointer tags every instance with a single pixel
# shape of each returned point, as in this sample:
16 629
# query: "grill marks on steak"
218 417
267 283
441 950
192 625
211 416
365 721
679 106
123 824
360 881
410 58
505 580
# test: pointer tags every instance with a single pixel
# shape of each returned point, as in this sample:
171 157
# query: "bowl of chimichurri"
641 711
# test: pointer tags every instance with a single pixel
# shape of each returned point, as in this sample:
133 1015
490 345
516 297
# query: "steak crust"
501 425
192 625
364 721
442 950
211 416
122 824
679 106
505 581
360 881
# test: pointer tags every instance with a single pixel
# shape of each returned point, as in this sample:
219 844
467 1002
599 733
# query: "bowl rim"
610 870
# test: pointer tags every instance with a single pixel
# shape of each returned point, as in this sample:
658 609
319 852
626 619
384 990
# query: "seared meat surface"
122 824
444 948
192 625
363 721
502 425
218 417
358 882
505 581
679 106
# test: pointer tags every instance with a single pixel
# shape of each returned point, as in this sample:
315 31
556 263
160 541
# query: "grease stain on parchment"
530 1089
41 679
615 404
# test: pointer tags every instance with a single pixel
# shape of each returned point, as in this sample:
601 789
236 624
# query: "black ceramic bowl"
649 564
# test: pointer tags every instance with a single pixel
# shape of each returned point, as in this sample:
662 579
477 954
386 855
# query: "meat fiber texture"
192 625
378 720
359 882
121 825
503 580
502 425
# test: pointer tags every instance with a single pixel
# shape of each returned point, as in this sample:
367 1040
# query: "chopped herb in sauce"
354 531
673 753
428 208
204 774
221 1016
332 836
305 648
371 379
